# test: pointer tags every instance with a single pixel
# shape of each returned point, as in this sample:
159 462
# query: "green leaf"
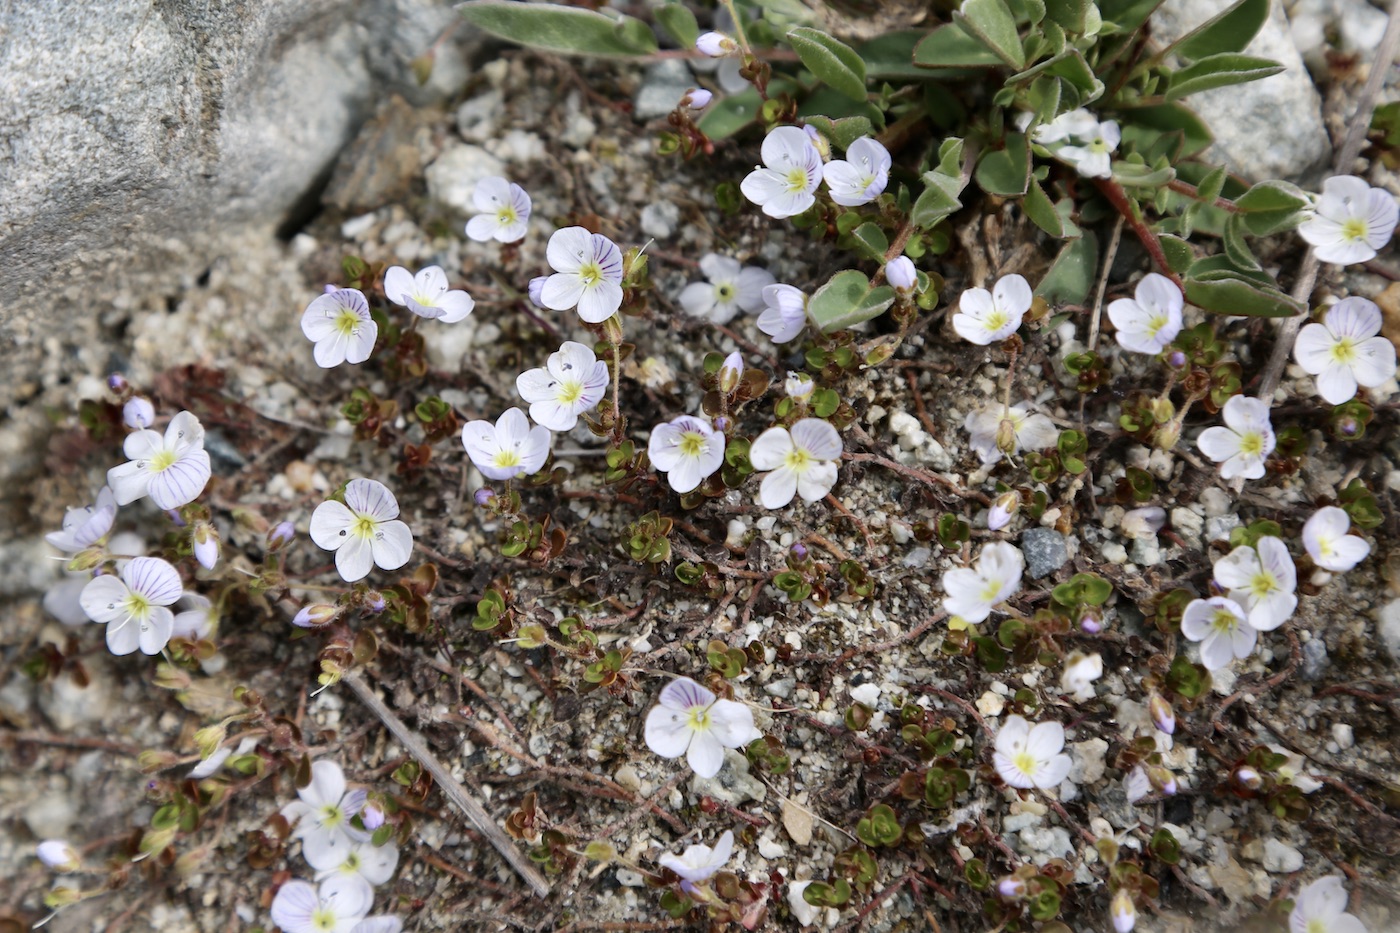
1271 206
1077 73
1235 246
891 56
679 24
871 241
950 47
1228 294
1041 210
1126 15
847 300
1072 275
1178 252
991 22
562 29
1210 187
1136 175
1068 14
831 60
841 132
1230 31
1221 70
1006 172
729 114
1166 118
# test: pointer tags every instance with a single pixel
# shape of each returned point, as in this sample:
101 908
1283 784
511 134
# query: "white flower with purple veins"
366 860
134 606
1220 625
84 527
505 211
322 815
1093 158
699 863
801 460
572 381
64 600
1321 908
1262 580
340 325
587 274
785 313
171 469
1329 545
1028 757
691 721
508 448
861 177
731 287
687 449
1343 351
364 530
337 905
973 592
1149 321
1350 221
1244 443
138 413
195 622
792 169
997 430
989 317
427 294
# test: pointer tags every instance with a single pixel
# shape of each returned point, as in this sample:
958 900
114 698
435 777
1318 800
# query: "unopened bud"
1348 426
1002 510
1090 620
1162 780
821 143
901 274
62 897
1165 436
86 560
157 840
1144 522
1006 436
59 855
697 99
1176 359
281 535
484 495
117 383
151 760
799 551
1123 911
138 413
1011 887
1162 410
730 372
314 616
208 740
716 45
374 601
536 290
206 545
372 816
798 386
722 424
1162 715
1248 778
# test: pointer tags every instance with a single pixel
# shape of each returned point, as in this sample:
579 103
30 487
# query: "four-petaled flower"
861 177
699 863
134 607
731 286
508 448
338 905
785 314
1321 908
1027 756
801 460
974 591
1262 580
1344 352
687 449
571 382
1244 443
1350 222
1092 159
427 294
987 317
690 720
1220 625
1326 540
322 816
171 469
340 325
587 274
997 429
364 531
792 169
84 527
505 211
1150 321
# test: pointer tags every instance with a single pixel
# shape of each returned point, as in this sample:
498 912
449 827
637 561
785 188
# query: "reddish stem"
1124 205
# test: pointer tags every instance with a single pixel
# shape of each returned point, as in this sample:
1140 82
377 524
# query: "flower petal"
398 285
778 488
392 545
731 723
330 524
354 559
295 906
182 482
770 449
816 481
154 579
817 437
706 755
102 599
568 249
600 302
154 633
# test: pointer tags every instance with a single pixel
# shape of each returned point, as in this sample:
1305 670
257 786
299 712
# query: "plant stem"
1124 205
1190 190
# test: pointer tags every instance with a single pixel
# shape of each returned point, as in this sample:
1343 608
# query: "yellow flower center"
506 215
162 461
1252 444
692 443
363 527
1344 351
1354 230
569 391
724 293
1025 763
991 590
699 718
138 606
347 322
1263 584
798 459
591 273
1155 324
507 458
1318 925
1224 622
323 919
331 816
796 179
997 319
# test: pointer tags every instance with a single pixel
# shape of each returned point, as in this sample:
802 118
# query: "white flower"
341 327
58 855
172 469
64 600
336 906
1321 908
802 461
715 44
195 622
972 593
571 382
322 816
1122 911
535 290
84 527
587 274
798 386
505 211
1076 124
988 317
996 427
1029 757
687 450
1344 351
1291 771
364 531
1144 522
508 448
1261 579
1350 222
861 177
699 863
901 274
1092 159
1150 321
690 720
785 314
1326 540
1242 446
1219 624
791 171
1136 784
1081 670
134 607
366 860
205 545
696 99
138 413
214 762
1003 510
427 294
731 286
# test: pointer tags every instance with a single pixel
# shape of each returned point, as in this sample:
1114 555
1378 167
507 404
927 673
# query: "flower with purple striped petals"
690 720
82 528
172 469
505 211
587 274
363 531
340 325
134 605
427 294
322 815
338 905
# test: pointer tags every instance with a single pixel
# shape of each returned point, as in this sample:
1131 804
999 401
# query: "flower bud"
1162 780
901 274
374 601
1090 620
1162 409
117 383
536 289
138 413
1162 715
1176 359
798 386
372 815
730 372
1248 778
62 897
330 289
697 99
206 545
1122 911
208 740
314 616
1002 510
175 516
86 560
722 424
1144 522
1011 887
1348 426
483 496
58 855
799 551
281 535
823 146
156 841
1165 436
716 45
1006 437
